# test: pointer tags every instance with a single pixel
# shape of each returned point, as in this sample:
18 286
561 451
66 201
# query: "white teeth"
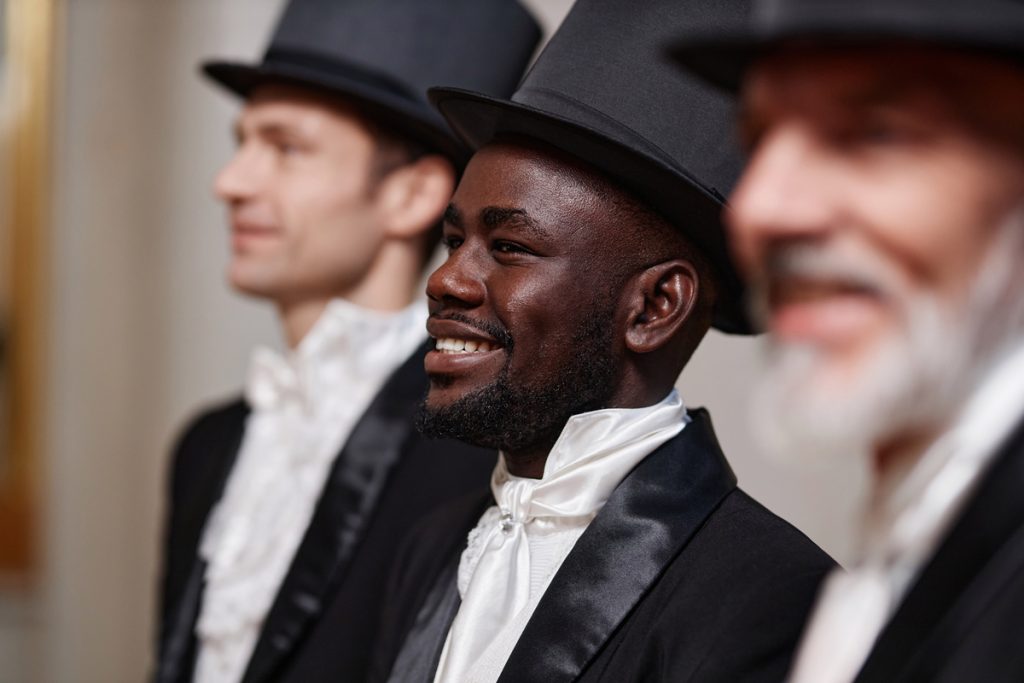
451 345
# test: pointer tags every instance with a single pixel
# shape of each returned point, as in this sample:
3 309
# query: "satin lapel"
350 495
968 563
646 522
178 650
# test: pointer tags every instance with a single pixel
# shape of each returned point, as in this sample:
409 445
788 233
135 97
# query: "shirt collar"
348 343
589 441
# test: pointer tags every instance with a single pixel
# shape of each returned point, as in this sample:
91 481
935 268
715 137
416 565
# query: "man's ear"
411 198
664 297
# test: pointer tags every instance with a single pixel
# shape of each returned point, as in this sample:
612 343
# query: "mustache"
824 262
855 270
492 329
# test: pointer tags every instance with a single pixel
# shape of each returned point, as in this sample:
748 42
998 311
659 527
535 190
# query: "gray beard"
917 379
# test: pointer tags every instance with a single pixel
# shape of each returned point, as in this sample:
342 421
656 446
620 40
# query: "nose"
459 281
784 194
239 179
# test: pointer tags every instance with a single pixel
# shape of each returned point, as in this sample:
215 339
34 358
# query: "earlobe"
412 198
665 296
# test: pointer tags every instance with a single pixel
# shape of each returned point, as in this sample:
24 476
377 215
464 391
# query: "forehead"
953 87
555 191
283 104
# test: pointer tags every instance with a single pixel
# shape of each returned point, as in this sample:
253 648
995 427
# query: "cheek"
327 219
940 215
546 320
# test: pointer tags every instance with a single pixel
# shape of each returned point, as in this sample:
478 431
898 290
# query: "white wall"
144 330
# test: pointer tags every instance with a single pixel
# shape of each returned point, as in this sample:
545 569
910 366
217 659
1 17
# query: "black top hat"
384 54
721 53
603 92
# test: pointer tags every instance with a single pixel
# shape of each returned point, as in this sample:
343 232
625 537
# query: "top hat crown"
384 54
604 92
721 53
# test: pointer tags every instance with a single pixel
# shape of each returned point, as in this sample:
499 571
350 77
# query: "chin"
254 284
817 403
814 405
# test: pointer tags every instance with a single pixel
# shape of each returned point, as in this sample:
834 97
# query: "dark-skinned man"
286 505
880 223
585 263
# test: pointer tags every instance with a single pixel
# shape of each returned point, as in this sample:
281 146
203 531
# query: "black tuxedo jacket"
963 619
680 577
323 619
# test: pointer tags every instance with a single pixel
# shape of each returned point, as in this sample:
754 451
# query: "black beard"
514 418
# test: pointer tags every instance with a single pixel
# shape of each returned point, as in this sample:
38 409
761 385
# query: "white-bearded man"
880 223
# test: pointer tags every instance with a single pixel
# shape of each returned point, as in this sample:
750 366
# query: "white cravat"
519 544
909 514
304 406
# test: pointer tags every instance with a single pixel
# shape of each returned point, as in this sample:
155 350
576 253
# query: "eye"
875 132
504 247
451 242
286 148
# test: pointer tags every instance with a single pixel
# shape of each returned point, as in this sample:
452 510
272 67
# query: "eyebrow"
881 93
494 217
453 216
877 94
516 219
263 129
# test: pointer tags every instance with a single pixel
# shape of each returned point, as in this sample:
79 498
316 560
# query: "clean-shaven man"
880 224
286 506
585 264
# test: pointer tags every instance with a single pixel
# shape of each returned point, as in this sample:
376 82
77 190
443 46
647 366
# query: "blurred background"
116 323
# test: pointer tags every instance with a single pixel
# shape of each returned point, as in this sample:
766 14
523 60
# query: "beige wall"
144 330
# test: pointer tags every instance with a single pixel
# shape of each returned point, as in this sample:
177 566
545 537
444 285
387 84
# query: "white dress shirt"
304 406
909 514
519 544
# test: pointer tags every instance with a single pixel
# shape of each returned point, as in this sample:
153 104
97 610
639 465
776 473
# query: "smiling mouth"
452 345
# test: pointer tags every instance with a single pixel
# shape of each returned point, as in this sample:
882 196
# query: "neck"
389 285
529 462
299 317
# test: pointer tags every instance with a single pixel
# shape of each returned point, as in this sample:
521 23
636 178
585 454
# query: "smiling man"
881 225
286 506
585 264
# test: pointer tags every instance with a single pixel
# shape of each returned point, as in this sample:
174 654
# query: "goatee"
513 418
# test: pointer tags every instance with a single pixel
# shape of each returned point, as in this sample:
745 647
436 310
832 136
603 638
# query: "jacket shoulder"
778 546
211 420
207 429
749 579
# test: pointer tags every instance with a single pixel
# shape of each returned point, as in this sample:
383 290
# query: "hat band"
333 66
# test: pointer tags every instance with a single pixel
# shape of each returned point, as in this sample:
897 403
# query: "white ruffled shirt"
304 406
518 545
909 514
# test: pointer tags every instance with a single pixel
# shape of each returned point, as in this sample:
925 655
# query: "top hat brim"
478 119
722 56
383 105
